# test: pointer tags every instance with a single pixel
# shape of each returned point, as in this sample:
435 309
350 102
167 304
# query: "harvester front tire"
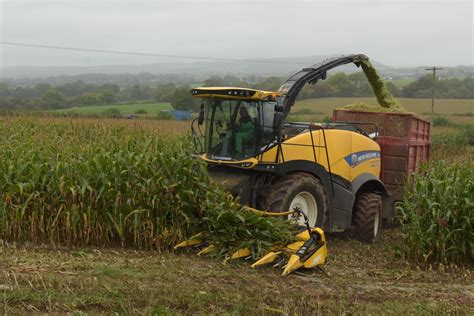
296 186
368 217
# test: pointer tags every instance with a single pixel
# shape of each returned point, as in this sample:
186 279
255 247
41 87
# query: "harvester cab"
238 122
328 172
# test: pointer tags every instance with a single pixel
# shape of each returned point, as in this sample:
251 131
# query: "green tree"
341 85
320 90
136 92
54 99
110 87
4 90
182 100
88 99
74 89
420 88
42 88
393 89
270 84
360 86
165 92
107 97
27 92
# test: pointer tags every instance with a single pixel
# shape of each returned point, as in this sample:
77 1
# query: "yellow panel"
270 155
372 165
340 144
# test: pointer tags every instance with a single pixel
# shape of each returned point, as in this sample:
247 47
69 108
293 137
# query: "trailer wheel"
368 217
298 191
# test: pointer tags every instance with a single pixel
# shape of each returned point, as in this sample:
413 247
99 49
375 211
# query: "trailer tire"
298 190
368 217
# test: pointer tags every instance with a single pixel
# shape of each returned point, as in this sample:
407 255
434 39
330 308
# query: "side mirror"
201 115
277 120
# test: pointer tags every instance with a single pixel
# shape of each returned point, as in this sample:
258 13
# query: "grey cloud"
393 32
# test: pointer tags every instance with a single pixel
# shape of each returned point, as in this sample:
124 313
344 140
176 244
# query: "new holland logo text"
356 158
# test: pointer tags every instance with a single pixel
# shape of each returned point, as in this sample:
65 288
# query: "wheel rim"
305 202
376 223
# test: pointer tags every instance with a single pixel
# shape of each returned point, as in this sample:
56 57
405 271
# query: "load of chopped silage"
361 106
386 101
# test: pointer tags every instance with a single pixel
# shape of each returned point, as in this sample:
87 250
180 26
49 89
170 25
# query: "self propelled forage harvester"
326 172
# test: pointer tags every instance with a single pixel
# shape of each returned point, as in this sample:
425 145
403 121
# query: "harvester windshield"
237 129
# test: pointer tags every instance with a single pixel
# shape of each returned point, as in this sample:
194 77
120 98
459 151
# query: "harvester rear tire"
282 193
368 217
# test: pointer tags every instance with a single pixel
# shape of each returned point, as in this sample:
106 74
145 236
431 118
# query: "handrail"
351 123
311 127
195 136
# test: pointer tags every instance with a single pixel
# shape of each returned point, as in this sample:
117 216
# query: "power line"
106 51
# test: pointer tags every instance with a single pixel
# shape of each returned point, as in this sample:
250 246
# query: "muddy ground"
358 279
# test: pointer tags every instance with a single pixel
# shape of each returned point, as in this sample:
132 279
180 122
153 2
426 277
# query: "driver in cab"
245 129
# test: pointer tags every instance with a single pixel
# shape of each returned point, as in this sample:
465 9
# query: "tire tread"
278 195
367 205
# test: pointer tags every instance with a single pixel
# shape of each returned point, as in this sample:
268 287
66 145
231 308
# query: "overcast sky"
396 33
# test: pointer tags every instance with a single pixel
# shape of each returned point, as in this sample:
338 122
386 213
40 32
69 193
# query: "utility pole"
433 69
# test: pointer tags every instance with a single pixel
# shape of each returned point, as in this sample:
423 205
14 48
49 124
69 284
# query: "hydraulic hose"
267 213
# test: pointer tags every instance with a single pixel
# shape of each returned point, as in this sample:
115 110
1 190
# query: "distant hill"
191 72
252 67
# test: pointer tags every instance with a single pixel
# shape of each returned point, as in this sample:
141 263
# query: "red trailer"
404 140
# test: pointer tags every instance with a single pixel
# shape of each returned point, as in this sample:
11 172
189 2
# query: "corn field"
100 182
439 213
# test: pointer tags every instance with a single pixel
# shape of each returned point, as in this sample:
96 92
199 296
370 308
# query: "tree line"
46 96
337 85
